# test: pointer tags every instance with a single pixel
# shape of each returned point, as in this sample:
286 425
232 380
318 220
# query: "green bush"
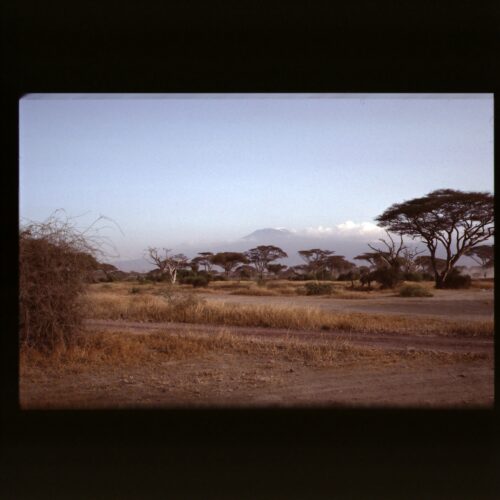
318 288
134 289
414 291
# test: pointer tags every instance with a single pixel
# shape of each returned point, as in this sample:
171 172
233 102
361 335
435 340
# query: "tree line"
56 259
452 221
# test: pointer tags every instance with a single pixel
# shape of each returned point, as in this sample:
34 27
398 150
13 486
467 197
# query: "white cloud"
347 229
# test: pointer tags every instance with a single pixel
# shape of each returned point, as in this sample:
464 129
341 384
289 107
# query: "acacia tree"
424 264
263 255
276 269
167 264
315 260
392 255
229 260
206 260
452 219
482 254
373 258
393 259
337 264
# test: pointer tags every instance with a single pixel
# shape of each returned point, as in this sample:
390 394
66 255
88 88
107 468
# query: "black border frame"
376 47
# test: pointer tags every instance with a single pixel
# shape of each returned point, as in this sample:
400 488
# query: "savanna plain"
243 344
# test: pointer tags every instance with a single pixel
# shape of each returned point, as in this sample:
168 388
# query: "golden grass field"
111 366
161 303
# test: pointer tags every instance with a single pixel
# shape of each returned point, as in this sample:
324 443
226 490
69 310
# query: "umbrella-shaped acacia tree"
455 221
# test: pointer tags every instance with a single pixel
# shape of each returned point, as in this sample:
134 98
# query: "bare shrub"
55 259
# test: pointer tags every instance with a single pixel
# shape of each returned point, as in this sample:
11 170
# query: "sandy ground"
456 304
237 380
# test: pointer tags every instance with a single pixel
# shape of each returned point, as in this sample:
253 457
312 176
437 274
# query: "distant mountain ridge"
268 232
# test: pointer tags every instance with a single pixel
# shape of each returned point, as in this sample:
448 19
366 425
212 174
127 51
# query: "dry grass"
187 308
125 349
271 288
483 284
230 285
256 291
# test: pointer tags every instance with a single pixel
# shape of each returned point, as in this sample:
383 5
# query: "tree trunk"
439 281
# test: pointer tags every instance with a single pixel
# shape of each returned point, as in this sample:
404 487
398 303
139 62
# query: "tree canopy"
263 255
228 260
454 220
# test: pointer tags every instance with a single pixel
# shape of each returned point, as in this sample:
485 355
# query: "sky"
194 170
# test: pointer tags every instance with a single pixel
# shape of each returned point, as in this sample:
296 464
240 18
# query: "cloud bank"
347 229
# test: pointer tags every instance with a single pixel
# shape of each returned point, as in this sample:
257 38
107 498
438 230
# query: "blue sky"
181 169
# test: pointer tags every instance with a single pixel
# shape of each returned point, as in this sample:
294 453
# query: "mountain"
268 233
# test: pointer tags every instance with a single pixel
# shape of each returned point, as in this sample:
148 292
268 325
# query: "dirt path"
232 380
393 341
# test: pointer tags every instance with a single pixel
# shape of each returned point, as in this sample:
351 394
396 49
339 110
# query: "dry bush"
54 261
102 305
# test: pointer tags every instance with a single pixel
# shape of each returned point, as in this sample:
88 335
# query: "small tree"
205 259
245 271
388 262
482 254
229 260
373 258
262 256
276 269
455 220
337 264
167 264
315 260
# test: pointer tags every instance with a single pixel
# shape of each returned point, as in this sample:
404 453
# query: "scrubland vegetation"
188 308
64 286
